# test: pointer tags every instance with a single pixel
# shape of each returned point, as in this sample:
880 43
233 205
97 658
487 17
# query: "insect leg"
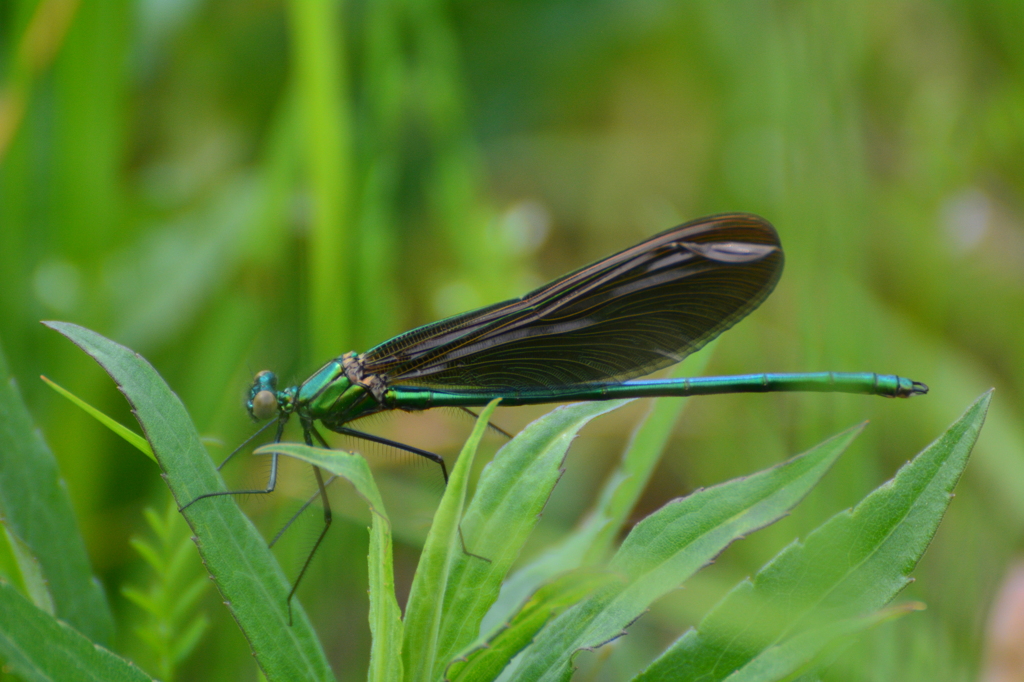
490 425
345 431
303 508
271 481
249 440
309 431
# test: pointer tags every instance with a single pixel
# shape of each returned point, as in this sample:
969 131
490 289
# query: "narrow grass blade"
319 59
37 647
506 506
37 509
443 548
385 616
20 568
852 565
134 439
669 546
246 573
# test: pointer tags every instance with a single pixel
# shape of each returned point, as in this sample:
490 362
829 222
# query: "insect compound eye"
265 380
264 405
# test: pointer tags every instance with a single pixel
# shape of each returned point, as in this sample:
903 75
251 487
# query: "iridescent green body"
589 335
331 397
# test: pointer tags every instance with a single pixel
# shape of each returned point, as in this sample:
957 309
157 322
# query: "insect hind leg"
437 459
493 427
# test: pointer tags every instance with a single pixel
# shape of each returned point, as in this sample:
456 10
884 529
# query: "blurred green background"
237 185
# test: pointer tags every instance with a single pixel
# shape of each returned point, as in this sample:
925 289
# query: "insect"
587 335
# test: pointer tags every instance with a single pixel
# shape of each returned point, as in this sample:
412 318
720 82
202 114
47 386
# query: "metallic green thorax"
335 394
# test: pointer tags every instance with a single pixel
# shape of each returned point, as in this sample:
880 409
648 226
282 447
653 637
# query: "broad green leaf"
486 662
246 573
591 540
134 439
506 506
852 565
424 612
385 616
669 546
565 556
39 648
37 509
798 655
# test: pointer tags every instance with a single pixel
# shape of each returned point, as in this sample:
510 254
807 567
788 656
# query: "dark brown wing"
622 317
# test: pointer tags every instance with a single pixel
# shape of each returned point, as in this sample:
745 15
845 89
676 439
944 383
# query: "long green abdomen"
866 383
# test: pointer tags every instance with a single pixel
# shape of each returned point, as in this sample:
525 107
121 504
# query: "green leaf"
35 504
669 546
798 654
506 506
424 612
486 662
141 599
385 616
565 556
148 552
117 427
39 648
19 567
188 638
628 481
172 592
252 584
589 543
852 565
